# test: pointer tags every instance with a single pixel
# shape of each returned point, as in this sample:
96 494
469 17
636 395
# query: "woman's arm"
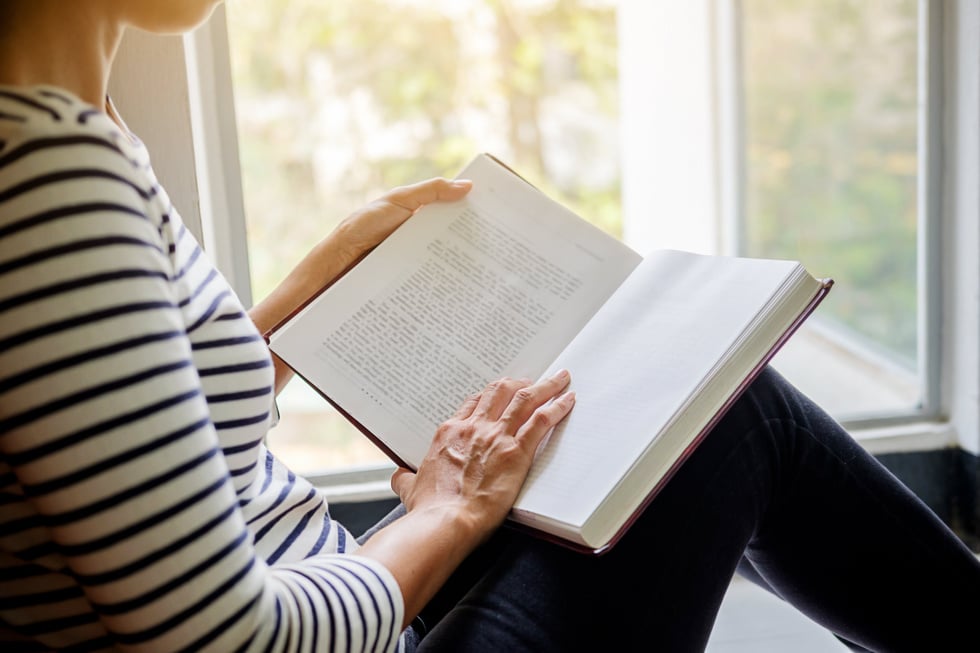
128 506
352 239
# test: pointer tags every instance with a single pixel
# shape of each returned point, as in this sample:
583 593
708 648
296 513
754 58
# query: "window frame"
699 155
216 152
949 245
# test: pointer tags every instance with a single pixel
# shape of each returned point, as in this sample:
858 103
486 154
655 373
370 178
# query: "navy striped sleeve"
120 521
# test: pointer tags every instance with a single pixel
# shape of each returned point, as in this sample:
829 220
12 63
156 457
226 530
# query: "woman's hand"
480 457
354 237
365 228
466 483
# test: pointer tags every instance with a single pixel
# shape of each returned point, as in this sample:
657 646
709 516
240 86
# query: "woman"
141 509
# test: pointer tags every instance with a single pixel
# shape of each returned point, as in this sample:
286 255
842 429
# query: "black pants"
778 489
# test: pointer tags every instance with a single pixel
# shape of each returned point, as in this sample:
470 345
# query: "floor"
753 621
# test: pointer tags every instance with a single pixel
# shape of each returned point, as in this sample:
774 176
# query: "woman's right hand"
466 484
479 458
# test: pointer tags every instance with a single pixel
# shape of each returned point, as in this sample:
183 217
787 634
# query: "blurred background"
816 106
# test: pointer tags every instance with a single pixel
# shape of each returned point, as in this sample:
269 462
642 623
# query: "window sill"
911 436
356 485
373 483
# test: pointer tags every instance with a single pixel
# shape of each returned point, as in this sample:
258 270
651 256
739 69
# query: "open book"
506 282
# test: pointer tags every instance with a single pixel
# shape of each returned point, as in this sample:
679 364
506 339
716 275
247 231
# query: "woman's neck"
64 44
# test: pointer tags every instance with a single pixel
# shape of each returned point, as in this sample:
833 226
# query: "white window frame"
196 71
216 151
959 201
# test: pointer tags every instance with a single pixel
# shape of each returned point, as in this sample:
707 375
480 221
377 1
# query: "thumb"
402 482
412 197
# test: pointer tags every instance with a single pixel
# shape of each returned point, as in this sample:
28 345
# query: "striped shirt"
139 506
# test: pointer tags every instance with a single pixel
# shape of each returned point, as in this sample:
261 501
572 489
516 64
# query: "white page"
635 363
401 340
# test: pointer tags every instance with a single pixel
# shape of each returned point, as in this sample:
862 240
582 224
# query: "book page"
494 285
637 363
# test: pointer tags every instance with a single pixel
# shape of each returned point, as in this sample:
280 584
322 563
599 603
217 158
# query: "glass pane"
337 102
830 106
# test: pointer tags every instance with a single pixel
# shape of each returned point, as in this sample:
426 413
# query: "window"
343 101
831 171
802 129
778 128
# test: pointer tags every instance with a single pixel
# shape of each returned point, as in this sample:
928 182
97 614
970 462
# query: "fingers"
514 402
467 407
402 481
414 196
526 400
544 419
496 397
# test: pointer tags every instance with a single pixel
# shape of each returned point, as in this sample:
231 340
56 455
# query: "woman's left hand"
361 231
366 227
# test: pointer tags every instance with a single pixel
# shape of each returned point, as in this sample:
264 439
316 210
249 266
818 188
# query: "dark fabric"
746 570
777 487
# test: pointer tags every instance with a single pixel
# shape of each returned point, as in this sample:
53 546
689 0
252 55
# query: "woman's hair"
9 10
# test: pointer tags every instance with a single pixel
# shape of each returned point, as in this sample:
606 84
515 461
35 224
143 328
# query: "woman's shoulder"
42 124
57 151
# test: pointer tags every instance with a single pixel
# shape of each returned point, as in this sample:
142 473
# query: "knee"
769 396
770 383
772 405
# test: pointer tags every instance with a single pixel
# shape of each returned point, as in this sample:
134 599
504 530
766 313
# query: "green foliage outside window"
338 102
341 101
831 161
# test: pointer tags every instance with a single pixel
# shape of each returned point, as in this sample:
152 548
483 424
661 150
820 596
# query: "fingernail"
561 374
462 183
568 397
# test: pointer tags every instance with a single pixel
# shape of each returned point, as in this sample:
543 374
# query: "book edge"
824 288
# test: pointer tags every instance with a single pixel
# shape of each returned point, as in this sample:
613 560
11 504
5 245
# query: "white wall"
149 87
668 139
175 93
